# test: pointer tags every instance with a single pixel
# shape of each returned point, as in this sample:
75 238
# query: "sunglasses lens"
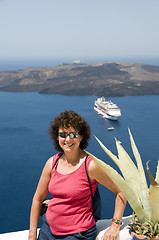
76 134
72 134
63 134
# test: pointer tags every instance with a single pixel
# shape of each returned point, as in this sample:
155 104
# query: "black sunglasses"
71 134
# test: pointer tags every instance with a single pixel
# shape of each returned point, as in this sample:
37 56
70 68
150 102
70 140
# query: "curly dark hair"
69 119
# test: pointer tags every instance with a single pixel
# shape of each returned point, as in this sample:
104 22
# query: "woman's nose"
68 137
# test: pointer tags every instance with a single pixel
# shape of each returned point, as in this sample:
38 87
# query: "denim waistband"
46 234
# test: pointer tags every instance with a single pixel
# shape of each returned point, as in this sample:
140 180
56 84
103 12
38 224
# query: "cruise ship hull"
104 114
107 109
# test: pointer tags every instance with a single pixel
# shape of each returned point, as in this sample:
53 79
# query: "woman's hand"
32 234
112 233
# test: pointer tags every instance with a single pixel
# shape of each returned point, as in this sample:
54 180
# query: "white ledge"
102 225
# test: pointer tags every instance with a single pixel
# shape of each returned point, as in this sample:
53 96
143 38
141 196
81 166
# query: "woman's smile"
69 144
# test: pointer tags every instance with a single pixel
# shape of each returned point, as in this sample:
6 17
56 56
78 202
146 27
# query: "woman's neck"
74 158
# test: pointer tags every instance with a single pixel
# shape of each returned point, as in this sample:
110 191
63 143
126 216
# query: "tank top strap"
88 160
55 159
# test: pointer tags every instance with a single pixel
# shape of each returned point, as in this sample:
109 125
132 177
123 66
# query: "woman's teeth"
69 145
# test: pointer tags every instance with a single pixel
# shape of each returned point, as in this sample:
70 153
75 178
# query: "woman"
69 213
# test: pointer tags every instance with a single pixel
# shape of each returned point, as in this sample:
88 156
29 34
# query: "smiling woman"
71 177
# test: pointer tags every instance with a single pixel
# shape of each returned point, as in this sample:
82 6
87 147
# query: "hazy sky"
83 28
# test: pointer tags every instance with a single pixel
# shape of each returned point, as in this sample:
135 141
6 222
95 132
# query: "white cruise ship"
107 109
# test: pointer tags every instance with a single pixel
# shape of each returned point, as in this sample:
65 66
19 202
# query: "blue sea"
25 144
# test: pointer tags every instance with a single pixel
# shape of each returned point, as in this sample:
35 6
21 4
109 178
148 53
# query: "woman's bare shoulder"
97 173
93 168
50 161
48 165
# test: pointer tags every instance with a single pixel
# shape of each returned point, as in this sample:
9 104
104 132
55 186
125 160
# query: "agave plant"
143 200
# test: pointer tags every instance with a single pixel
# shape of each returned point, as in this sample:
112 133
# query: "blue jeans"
46 234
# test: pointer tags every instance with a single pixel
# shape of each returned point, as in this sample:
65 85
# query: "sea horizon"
20 64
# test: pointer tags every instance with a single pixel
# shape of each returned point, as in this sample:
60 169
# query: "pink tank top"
70 209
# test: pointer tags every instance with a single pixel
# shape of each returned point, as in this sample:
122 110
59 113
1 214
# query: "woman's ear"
81 138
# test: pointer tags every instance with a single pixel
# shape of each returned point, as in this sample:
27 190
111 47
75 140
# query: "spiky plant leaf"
124 186
143 183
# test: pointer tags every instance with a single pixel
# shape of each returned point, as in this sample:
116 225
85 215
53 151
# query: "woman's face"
69 139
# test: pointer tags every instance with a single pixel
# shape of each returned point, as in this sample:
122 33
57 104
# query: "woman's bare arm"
39 197
95 172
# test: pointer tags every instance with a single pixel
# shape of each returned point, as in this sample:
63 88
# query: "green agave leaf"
131 174
126 163
124 186
108 152
144 192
